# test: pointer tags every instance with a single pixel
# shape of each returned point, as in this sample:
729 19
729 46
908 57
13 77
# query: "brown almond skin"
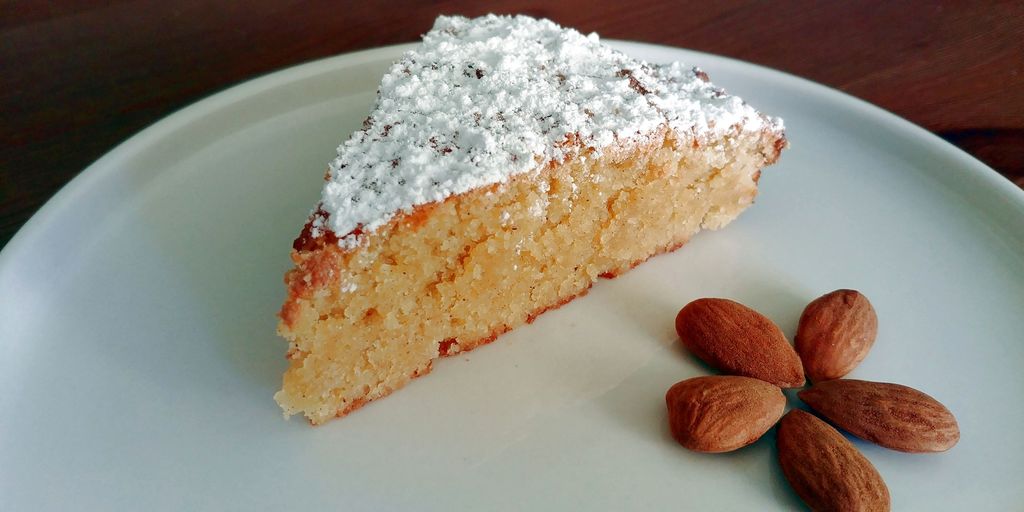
825 469
836 332
740 341
891 415
722 413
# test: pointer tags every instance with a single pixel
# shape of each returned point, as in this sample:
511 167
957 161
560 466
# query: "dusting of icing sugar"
537 208
484 99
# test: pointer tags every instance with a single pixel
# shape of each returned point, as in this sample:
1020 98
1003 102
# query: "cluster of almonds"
726 412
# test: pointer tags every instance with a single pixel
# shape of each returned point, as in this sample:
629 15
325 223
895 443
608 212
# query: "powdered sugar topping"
484 99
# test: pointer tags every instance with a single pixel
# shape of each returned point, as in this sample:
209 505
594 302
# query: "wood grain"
81 76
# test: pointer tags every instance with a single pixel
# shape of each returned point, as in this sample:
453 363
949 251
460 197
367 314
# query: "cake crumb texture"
457 273
507 164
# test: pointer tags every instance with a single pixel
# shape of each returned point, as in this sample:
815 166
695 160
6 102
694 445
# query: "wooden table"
78 77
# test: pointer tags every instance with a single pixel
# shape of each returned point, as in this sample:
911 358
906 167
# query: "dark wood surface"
78 77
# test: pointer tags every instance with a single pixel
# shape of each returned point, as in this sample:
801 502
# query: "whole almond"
894 416
738 340
836 332
722 413
825 469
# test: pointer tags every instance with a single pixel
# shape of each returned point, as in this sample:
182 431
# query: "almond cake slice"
507 164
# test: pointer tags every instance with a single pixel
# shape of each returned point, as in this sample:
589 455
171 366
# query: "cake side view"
508 163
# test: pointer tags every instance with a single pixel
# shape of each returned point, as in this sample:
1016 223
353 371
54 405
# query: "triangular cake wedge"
508 164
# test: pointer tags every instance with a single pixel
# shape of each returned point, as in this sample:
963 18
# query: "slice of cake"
507 164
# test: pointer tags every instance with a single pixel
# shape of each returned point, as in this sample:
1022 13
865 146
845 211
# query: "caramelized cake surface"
508 164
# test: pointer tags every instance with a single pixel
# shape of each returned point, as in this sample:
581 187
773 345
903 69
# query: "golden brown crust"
313 269
540 311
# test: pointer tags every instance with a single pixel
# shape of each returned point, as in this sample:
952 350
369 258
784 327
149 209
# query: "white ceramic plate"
137 314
